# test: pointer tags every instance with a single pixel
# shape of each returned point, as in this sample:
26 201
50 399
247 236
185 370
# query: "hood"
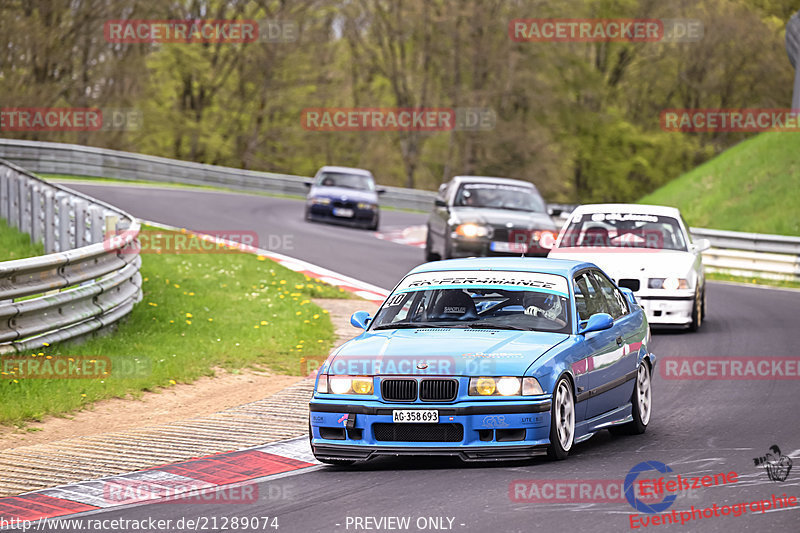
631 263
342 193
503 217
459 352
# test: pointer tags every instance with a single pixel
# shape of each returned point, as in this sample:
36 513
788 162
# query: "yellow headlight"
485 386
362 386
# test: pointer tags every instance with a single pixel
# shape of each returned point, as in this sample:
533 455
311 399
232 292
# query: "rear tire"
562 421
642 402
430 255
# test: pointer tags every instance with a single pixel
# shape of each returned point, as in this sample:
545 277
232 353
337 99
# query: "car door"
600 347
613 380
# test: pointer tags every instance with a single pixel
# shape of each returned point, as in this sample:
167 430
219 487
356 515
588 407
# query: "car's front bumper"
464 247
485 430
361 217
667 310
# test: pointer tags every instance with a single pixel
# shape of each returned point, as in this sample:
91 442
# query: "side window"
613 296
588 298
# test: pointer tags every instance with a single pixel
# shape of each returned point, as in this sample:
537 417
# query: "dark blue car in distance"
344 195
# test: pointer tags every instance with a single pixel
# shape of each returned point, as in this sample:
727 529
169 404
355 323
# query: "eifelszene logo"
775 463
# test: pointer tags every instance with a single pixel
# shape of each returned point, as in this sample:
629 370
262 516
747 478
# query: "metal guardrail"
58 158
83 284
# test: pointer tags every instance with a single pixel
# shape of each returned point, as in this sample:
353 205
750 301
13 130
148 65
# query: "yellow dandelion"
191 294
316 316
171 321
172 382
261 258
256 326
49 357
263 322
211 320
325 311
83 396
189 322
306 322
304 302
15 381
188 315
283 282
45 344
281 296
153 304
176 285
299 313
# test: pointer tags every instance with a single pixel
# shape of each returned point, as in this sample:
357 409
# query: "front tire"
642 402
430 255
562 421
697 312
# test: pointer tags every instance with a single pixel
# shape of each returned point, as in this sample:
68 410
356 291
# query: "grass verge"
16 245
720 276
199 312
752 187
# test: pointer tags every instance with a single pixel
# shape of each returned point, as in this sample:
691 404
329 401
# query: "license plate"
404 416
342 212
515 247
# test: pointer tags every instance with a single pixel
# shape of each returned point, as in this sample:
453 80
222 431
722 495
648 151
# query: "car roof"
487 179
346 170
638 209
543 265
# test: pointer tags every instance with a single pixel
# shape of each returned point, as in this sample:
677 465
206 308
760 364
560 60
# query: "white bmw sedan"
647 249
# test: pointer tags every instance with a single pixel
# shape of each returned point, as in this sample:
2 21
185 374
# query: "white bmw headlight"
504 386
349 384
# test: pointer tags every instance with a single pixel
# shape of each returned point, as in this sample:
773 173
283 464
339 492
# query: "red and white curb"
193 481
410 236
361 289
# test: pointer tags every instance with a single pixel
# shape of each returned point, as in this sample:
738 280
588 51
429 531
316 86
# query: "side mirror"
308 184
438 202
701 245
596 322
360 319
380 190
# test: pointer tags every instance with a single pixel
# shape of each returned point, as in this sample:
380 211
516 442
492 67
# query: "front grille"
632 284
399 390
346 204
438 390
418 432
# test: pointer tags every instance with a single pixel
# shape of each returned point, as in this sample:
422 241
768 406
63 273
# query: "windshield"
499 196
623 230
347 181
478 299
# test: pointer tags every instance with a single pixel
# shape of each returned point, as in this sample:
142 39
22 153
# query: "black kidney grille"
399 390
438 390
632 284
418 432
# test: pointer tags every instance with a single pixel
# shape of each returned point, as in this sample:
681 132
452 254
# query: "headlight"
363 205
349 384
487 386
471 230
669 284
321 201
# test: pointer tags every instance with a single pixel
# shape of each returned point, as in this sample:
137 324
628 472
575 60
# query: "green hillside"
754 186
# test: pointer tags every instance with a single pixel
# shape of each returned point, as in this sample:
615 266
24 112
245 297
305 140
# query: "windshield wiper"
495 326
402 325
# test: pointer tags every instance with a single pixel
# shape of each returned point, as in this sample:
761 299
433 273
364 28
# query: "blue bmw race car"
487 359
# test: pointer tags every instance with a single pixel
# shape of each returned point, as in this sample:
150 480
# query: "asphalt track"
698 427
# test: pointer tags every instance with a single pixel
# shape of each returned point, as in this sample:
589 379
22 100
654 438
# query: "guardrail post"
49 222
24 206
80 223
13 200
4 173
36 214
96 223
64 225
